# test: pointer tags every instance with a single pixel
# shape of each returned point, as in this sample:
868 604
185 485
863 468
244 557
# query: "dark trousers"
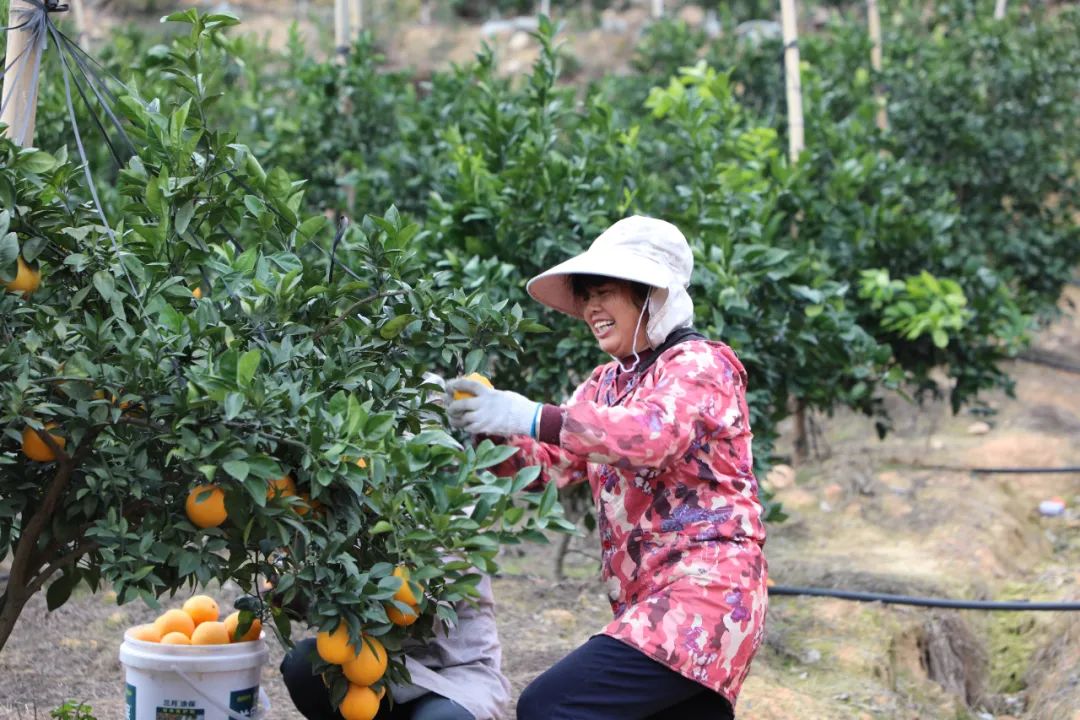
312 698
606 679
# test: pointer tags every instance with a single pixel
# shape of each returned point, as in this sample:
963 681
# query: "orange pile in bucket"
196 623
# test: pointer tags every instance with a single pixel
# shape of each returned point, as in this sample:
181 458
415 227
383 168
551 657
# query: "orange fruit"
361 463
206 506
308 505
360 703
176 638
197 293
458 394
402 618
201 608
369 665
405 593
210 632
36 449
284 486
232 623
174 621
146 633
335 647
27 279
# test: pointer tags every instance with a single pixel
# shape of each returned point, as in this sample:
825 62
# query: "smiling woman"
615 311
662 436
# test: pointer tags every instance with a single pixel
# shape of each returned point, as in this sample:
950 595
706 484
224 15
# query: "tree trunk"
12 603
23 63
802 440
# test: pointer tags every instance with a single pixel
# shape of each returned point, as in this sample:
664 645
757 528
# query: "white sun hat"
637 248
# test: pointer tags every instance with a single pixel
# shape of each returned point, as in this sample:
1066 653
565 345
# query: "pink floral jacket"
669 462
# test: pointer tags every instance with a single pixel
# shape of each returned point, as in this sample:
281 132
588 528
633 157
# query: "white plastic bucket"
194 682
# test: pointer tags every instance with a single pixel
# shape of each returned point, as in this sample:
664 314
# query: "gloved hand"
491 412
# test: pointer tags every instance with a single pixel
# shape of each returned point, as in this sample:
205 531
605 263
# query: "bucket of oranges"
188 664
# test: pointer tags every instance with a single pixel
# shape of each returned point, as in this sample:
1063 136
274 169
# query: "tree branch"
352 309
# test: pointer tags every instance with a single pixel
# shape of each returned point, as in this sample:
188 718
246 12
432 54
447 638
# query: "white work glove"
491 412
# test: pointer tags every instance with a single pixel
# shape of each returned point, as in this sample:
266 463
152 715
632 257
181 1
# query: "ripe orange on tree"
283 486
404 619
369 665
360 703
36 449
206 506
405 593
460 394
334 647
27 279
201 608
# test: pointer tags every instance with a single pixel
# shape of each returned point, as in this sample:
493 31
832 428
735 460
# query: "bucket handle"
260 714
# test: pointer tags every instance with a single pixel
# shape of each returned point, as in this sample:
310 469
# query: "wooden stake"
792 81
999 9
341 31
23 63
873 21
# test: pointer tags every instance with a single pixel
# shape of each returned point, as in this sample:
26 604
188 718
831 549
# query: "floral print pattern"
668 458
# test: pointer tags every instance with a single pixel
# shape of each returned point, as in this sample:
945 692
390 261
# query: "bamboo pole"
18 97
793 84
78 19
356 18
658 8
796 143
873 21
999 9
341 31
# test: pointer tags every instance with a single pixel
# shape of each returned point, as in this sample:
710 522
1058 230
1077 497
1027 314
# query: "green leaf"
60 589
237 468
183 216
36 162
393 328
246 367
381 527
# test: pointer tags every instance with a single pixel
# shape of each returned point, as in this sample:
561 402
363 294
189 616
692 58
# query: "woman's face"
612 315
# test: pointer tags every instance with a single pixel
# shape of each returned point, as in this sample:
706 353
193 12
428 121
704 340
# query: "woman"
455 675
662 435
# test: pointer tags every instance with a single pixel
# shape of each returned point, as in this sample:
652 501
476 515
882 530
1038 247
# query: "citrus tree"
213 386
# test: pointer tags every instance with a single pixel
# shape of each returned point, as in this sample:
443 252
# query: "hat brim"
552 287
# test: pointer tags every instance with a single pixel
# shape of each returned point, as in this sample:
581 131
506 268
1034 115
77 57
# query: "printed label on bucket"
243 701
129 698
179 710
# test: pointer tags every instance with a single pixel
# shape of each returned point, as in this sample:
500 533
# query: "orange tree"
217 338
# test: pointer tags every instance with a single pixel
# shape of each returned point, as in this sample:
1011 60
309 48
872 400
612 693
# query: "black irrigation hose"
1066 470
1022 605
1050 362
